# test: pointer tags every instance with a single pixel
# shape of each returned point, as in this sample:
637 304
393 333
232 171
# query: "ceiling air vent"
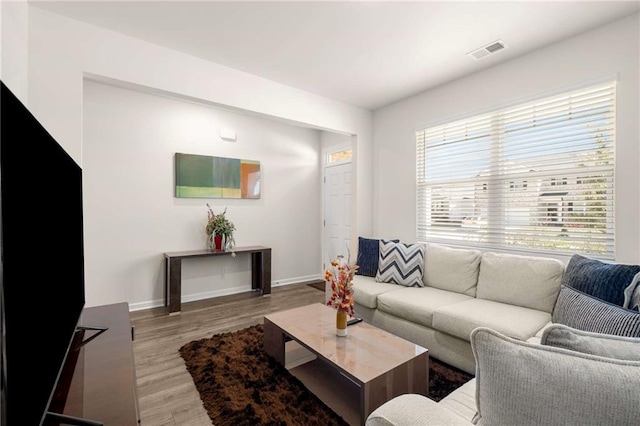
487 50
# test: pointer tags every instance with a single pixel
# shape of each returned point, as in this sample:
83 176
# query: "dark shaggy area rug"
239 384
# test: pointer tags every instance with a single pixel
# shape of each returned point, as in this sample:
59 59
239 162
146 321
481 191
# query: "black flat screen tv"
42 267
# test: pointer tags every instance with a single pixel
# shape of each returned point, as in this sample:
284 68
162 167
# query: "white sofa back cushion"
527 281
452 269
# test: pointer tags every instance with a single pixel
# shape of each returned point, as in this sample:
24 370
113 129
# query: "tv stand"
83 328
98 383
70 420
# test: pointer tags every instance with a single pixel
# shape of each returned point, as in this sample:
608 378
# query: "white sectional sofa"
544 341
570 377
462 290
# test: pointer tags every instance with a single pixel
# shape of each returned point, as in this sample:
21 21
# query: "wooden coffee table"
369 364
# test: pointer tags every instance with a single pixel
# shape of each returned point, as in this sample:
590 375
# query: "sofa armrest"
416 410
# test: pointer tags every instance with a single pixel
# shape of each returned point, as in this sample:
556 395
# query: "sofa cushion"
527 281
606 281
461 318
462 401
418 304
413 409
401 263
368 256
519 383
366 291
607 345
536 338
585 312
452 269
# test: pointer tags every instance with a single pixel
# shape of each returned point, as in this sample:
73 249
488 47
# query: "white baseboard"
224 292
297 280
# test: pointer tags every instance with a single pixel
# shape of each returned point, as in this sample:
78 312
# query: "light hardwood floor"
166 393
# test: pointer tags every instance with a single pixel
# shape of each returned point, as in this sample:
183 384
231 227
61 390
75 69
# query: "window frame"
496 224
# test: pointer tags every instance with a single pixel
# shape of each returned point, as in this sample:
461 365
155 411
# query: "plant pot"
214 242
341 323
218 242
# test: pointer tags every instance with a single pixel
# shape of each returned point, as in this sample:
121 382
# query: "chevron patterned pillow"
401 263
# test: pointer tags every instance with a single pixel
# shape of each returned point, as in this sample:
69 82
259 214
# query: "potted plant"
219 227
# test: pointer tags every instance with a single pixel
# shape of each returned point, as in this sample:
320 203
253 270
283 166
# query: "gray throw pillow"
607 345
519 383
632 294
584 312
634 301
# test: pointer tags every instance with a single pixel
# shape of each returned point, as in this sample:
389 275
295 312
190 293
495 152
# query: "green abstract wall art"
203 176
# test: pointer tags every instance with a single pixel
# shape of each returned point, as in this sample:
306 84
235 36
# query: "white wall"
14 38
329 139
62 51
607 51
132 217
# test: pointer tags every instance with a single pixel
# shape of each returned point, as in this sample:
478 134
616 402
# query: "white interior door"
337 212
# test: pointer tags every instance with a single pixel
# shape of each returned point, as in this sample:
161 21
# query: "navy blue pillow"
606 281
368 256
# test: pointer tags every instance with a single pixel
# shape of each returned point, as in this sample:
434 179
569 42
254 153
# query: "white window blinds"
536 177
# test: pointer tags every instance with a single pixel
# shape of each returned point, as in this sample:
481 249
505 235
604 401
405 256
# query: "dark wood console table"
98 381
260 271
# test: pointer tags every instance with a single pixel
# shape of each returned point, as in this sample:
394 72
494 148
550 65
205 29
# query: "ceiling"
368 54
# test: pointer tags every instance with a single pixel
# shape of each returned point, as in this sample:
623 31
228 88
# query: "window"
536 177
343 155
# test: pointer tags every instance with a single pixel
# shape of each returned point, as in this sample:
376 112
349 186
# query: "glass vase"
341 323
229 243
